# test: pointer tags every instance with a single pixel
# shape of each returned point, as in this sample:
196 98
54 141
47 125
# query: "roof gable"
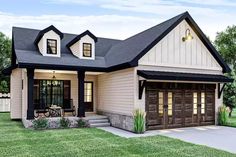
77 38
171 51
42 32
132 49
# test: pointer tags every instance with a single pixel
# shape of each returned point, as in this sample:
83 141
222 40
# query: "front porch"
57 93
90 120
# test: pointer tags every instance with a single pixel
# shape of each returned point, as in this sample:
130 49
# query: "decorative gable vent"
83 45
48 41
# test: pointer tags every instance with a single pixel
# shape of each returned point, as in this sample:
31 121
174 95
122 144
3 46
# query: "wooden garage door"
173 105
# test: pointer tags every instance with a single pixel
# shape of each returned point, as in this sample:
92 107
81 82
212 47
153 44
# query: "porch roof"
160 75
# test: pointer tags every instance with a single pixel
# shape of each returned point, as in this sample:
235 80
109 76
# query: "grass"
18 141
232 119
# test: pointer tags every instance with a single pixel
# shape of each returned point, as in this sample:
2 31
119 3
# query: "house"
171 71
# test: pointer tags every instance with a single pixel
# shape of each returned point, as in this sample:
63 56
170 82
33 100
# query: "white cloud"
209 19
211 15
112 26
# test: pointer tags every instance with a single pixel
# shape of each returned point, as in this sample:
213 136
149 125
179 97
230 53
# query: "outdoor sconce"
53 77
188 35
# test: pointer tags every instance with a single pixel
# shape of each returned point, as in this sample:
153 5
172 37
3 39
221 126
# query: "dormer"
83 45
48 41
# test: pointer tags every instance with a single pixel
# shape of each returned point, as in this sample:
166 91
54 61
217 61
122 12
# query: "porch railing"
5 102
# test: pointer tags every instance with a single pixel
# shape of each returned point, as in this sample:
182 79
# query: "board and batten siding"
171 51
16 95
116 91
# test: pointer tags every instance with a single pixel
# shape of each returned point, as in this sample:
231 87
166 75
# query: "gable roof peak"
78 37
42 32
134 47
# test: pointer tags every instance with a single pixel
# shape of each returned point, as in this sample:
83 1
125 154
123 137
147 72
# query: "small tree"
229 97
5 55
225 43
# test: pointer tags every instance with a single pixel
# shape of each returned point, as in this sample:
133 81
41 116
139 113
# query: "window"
48 92
170 103
87 50
161 101
195 103
51 46
202 103
88 92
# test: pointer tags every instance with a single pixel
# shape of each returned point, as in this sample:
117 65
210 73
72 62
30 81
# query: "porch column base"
30 114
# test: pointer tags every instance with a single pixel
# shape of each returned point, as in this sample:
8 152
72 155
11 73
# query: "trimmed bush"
139 121
222 115
40 123
64 122
81 123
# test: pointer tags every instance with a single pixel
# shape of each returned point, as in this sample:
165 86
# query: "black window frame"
87 50
91 91
48 47
48 94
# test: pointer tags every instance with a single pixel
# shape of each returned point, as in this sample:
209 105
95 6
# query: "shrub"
139 121
40 123
222 115
81 123
64 122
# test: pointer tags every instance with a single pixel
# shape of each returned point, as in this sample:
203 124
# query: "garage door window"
170 103
202 102
161 101
195 103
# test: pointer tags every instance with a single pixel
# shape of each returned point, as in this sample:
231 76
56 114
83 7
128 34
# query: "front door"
88 96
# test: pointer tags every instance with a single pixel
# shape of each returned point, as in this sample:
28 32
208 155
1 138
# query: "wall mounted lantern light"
188 35
53 77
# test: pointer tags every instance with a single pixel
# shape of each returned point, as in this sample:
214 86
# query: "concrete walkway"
218 137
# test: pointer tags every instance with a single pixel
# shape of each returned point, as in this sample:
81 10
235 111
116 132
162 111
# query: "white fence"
4 102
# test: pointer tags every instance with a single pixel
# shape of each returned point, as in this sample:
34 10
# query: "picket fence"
5 102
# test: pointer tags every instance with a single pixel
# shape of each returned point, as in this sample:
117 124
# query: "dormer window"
83 45
48 41
51 46
87 50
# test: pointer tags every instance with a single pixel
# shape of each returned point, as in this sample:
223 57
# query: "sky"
118 19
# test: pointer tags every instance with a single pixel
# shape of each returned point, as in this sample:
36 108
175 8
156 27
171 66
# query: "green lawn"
232 120
18 141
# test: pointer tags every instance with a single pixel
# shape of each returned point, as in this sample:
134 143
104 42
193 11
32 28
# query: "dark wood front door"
179 105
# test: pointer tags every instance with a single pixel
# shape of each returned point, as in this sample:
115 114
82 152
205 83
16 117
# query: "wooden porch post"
30 83
81 107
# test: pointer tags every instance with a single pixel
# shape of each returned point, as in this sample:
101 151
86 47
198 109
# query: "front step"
98 121
93 121
99 125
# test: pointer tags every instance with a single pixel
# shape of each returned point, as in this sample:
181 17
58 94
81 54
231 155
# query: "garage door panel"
184 111
178 120
178 107
178 114
152 108
188 120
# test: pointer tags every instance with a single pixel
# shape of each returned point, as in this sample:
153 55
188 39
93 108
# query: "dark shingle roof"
130 48
111 54
27 52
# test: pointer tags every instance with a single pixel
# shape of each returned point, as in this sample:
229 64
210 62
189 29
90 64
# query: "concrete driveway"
218 137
